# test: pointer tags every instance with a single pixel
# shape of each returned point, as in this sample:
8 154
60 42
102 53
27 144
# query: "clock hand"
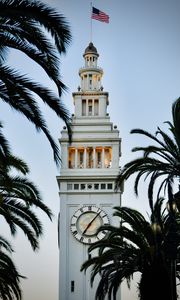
90 223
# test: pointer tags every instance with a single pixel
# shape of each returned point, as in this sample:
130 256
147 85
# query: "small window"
89 186
83 186
96 186
103 186
76 186
69 186
109 186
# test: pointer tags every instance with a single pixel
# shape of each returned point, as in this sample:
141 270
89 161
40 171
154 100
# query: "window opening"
80 158
72 286
76 186
69 186
89 107
89 186
96 186
71 158
90 157
103 186
109 186
108 157
83 107
96 107
83 186
98 158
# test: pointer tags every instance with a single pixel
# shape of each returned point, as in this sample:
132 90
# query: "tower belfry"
90 165
91 74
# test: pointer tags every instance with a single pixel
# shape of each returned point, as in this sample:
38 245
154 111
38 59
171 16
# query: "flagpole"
91 24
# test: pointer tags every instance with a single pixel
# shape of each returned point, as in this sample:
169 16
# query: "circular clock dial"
85 223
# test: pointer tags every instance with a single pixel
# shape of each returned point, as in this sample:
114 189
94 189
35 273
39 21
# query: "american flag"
99 15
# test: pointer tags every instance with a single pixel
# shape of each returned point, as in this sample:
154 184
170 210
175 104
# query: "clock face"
85 223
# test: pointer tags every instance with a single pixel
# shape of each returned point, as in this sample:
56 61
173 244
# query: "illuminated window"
80 158
98 157
71 158
90 157
108 157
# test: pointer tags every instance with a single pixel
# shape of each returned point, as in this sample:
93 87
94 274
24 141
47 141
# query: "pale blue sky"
140 54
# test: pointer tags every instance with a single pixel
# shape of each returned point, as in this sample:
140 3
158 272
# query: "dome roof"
91 49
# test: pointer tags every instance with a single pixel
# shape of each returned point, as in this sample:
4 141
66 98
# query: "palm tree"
137 245
18 195
159 161
41 34
9 276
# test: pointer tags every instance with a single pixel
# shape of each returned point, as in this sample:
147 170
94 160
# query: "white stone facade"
90 165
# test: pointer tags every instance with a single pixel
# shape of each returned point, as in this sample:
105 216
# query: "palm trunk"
173 279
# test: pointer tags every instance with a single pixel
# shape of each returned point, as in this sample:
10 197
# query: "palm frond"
137 245
52 21
9 276
42 34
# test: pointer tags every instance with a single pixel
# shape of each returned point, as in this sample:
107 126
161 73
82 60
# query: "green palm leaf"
137 245
41 34
9 276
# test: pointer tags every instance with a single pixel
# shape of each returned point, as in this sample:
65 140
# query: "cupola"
90 74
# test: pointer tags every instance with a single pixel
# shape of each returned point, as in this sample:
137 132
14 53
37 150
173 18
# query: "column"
76 157
94 157
103 157
85 155
86 107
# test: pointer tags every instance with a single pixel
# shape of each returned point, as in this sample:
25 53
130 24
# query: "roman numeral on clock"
75 232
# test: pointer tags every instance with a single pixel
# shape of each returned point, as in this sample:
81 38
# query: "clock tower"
90 165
